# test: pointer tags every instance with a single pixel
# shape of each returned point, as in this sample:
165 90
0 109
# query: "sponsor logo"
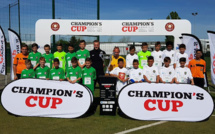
134 26
1 59
55 26
214 64
190 57
169 27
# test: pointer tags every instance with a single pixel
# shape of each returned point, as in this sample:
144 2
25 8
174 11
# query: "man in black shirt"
97 59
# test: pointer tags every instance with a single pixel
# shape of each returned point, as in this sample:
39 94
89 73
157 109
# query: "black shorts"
18 76
200 82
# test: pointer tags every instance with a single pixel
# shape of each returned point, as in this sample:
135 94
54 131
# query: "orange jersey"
198 68
19 60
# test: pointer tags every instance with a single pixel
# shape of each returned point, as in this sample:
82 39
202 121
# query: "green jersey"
56 74
27 73
49 58
34 57
88 77
143 57
62 58
82 55
74 73
42 73
69 57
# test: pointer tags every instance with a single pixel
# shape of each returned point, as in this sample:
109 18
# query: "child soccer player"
82 54
89 75
130 57
121 73
150 72
167 72
180 54
143 55
56 73
28 72
61 56
74 73
48 56
34 56
42 72
169 52
69 56
157 54
136 74
182 73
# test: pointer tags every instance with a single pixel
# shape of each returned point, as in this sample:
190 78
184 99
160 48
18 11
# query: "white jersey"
158 58
183 75
136 74
167 73
170 54
151 73
129 60
178 56
122 73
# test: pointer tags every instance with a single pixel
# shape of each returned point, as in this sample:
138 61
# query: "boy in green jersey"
42 72
143 55
61 56
74 72
89 75
69 56
28 72
82 54
56 73
34 56
48 56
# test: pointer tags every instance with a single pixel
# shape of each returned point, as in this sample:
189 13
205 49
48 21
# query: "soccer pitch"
96 124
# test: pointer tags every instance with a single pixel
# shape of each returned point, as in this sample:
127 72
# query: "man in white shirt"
158 55
183 74
169 52
130 57
150 72
180 54
121 73
167 72
136 74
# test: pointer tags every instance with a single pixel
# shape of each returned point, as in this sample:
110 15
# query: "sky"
120 10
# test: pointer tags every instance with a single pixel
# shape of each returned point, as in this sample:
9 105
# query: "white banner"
46 98
192 44
173 102
2 53
15 48
211 36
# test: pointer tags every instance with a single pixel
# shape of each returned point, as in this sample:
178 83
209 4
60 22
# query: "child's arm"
162 80
146 79
157 78
173 79
192 82
36 66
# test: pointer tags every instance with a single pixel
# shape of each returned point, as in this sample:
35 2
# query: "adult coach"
96 56
19 62
198 68
115 57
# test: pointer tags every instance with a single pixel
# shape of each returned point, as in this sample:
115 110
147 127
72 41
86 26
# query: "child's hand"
73 82
192 83
149 82
70 81
177 82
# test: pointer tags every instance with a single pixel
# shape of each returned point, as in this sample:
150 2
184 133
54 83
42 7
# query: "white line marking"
213 115
141 127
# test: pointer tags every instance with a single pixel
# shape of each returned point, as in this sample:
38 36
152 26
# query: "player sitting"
56 73
74 72
28 72
42 72
136 74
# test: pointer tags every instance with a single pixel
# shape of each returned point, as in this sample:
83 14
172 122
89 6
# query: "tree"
75 42
124 39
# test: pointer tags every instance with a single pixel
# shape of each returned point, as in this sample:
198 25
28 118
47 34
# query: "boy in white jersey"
158 55
180 54
169 52
121 73
130 57
136 74
167 72
150 72
183 74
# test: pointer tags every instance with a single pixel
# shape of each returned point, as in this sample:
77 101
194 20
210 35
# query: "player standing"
48 56
143 55
42 72
82 54
130 57
57 73
34 56
61 56
158 55
169 53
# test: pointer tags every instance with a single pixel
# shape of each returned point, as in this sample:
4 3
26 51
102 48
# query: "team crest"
85 55
172 55
36 57
50 59
185 73
170 73
160 56
76 73
58 72
90 73
62 57
45 73
147 56
29 74
139 73
154 71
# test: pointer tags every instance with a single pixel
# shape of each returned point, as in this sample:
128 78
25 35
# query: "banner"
15 48
3 70
192 44
172 102
46 98
211 36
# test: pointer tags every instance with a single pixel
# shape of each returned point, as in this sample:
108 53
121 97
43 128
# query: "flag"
3 70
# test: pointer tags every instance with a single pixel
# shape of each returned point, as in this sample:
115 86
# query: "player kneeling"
167 72
28 72
121 73
57 73
136 74
42 72
150 72
182 73
73 73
